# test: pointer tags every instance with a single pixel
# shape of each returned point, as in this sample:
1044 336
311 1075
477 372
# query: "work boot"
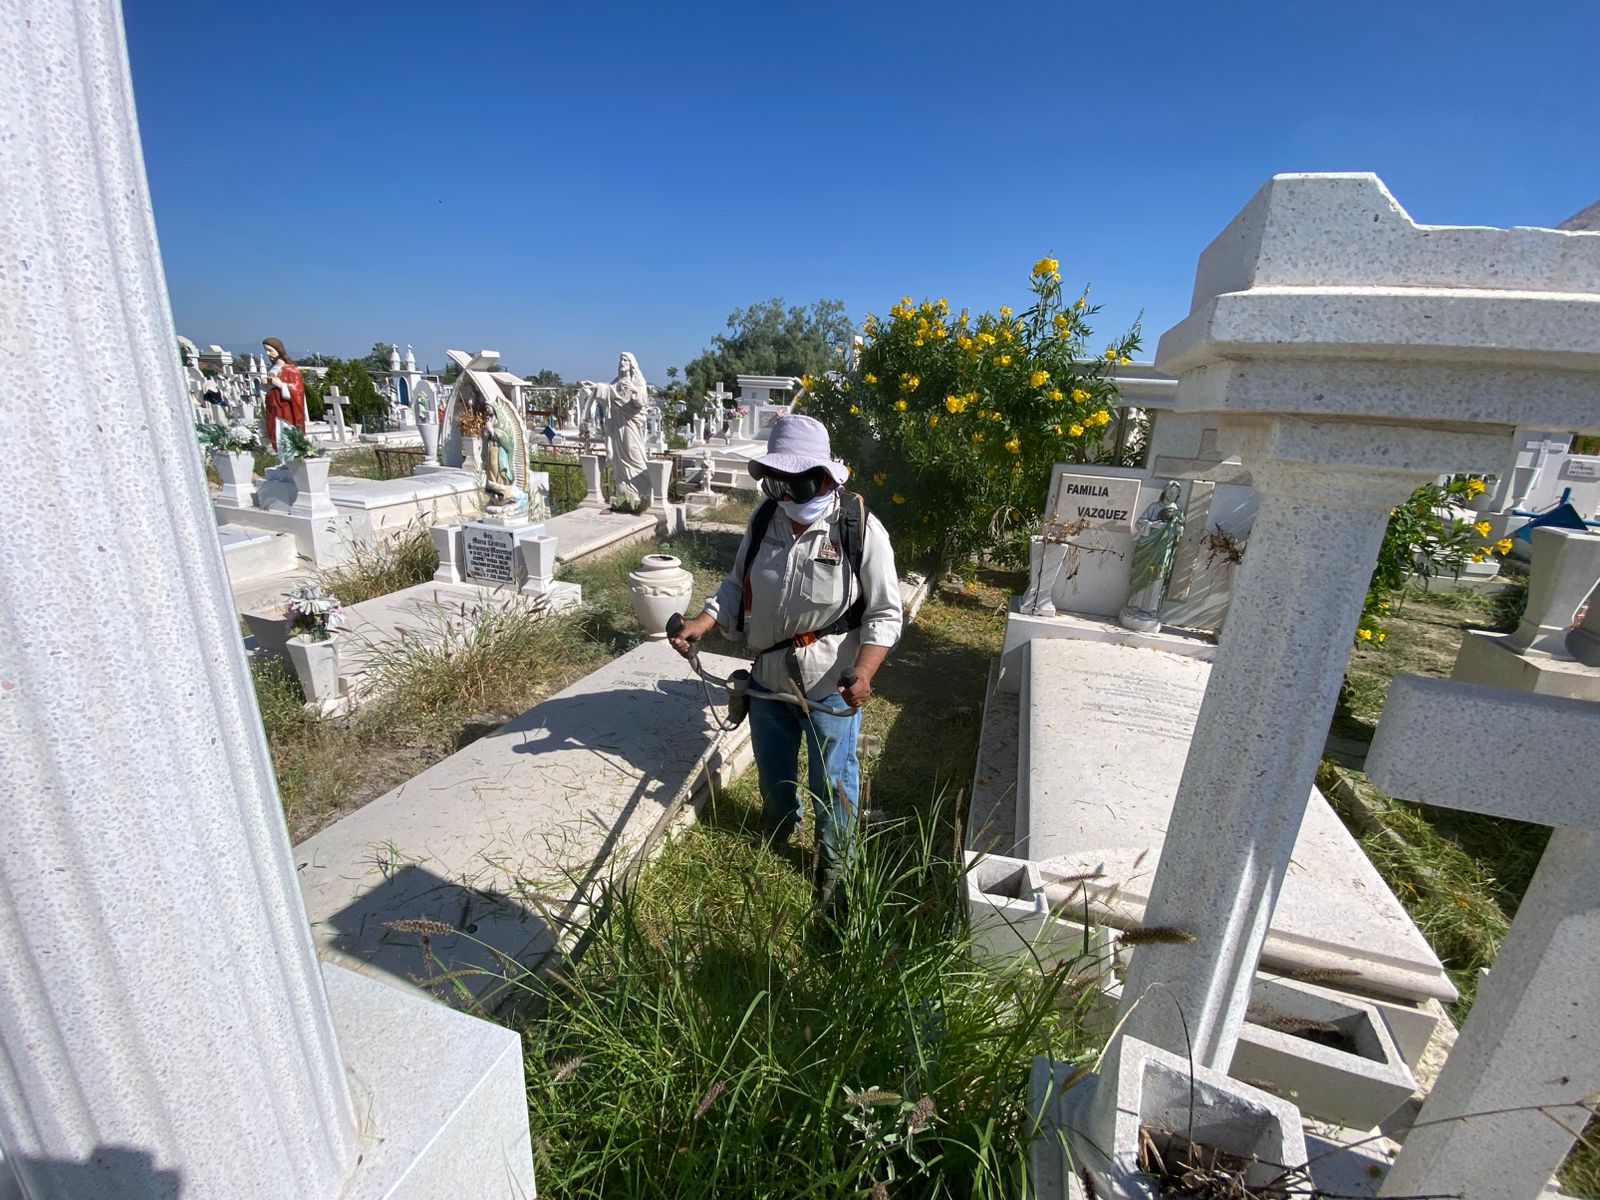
828 893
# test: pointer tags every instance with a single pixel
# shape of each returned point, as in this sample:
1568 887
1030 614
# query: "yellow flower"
1503 546
806 382
1101 418
898 498
880 478
918 342
942 305
870 377
910 382
1364 634
1075 430
977 437
1483 528
933 418
1111 355
1125 360
1057 430
986 338
1474 487
1079 395
1005 311
1004 360
1060 321
1081 303
1014 445
1057 395
1379 636
900 404
1038 378
963 341
954 404
1045 266
854 411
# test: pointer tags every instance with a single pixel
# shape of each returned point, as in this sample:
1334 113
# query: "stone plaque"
491 553
1085 502
1582 466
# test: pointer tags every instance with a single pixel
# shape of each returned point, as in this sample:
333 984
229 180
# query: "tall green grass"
398 560
719 1038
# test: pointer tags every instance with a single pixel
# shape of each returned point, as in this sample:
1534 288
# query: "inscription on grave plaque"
491 554
1095 502
1582 467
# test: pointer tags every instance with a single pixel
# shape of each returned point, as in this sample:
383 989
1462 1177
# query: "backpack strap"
760 520
852 523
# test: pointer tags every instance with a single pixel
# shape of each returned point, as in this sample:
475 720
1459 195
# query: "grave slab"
1022 628
1106 733
426 613
587 532
503 840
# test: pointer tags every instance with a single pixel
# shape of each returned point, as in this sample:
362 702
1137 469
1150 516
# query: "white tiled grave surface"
589 531
1104 735
497 840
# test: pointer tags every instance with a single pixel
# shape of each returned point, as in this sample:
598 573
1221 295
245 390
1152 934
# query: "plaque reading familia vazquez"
1095 502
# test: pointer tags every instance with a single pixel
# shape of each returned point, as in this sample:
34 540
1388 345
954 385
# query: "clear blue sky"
560 181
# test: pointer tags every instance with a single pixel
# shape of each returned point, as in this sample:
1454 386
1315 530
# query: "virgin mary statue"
625 399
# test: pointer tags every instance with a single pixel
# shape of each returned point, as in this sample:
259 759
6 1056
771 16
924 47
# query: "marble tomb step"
502 843
1104 732
253 553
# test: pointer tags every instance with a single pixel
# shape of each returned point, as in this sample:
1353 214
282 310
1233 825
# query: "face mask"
808 512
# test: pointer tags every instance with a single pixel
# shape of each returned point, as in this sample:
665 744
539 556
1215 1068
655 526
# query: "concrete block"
1285 1040
1096 1121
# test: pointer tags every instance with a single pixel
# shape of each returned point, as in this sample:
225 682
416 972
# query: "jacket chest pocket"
823 583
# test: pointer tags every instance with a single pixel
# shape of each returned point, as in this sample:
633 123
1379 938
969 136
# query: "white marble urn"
430 442
236 469
310 474
316 665
658 588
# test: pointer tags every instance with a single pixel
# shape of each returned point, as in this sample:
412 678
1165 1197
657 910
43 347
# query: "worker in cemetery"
814 592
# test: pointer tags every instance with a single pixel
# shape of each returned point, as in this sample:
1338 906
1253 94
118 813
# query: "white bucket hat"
798 444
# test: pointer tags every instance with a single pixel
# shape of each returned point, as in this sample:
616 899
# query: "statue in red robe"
286 391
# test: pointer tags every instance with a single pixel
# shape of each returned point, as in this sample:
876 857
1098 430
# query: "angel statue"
625 399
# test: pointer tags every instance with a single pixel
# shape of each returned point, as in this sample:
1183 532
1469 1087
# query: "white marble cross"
337 402
1533 1037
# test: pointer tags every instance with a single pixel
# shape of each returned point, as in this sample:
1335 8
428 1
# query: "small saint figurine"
286 391
1158 533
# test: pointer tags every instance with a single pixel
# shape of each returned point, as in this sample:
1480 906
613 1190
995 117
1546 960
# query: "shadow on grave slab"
460 944
108 1171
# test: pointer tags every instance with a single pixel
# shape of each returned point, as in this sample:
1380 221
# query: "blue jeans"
776 729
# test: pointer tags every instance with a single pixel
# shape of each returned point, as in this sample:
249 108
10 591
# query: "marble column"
163 1023
1259 736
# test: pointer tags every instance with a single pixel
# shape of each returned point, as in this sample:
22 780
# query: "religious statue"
286 392
625 399
1158 533
499 463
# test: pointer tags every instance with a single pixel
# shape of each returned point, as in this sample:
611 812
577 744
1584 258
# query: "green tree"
377 358
367 405
771 339
546 378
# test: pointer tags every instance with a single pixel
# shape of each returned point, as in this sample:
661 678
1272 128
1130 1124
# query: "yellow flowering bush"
954 420
1420 542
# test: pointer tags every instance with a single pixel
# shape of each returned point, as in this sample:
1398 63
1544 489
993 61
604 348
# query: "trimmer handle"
848 677
674 624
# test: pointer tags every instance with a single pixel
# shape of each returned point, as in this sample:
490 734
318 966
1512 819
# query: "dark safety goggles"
799 488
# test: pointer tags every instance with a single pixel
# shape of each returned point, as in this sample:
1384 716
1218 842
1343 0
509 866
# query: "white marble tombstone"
1340 349
165 1026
